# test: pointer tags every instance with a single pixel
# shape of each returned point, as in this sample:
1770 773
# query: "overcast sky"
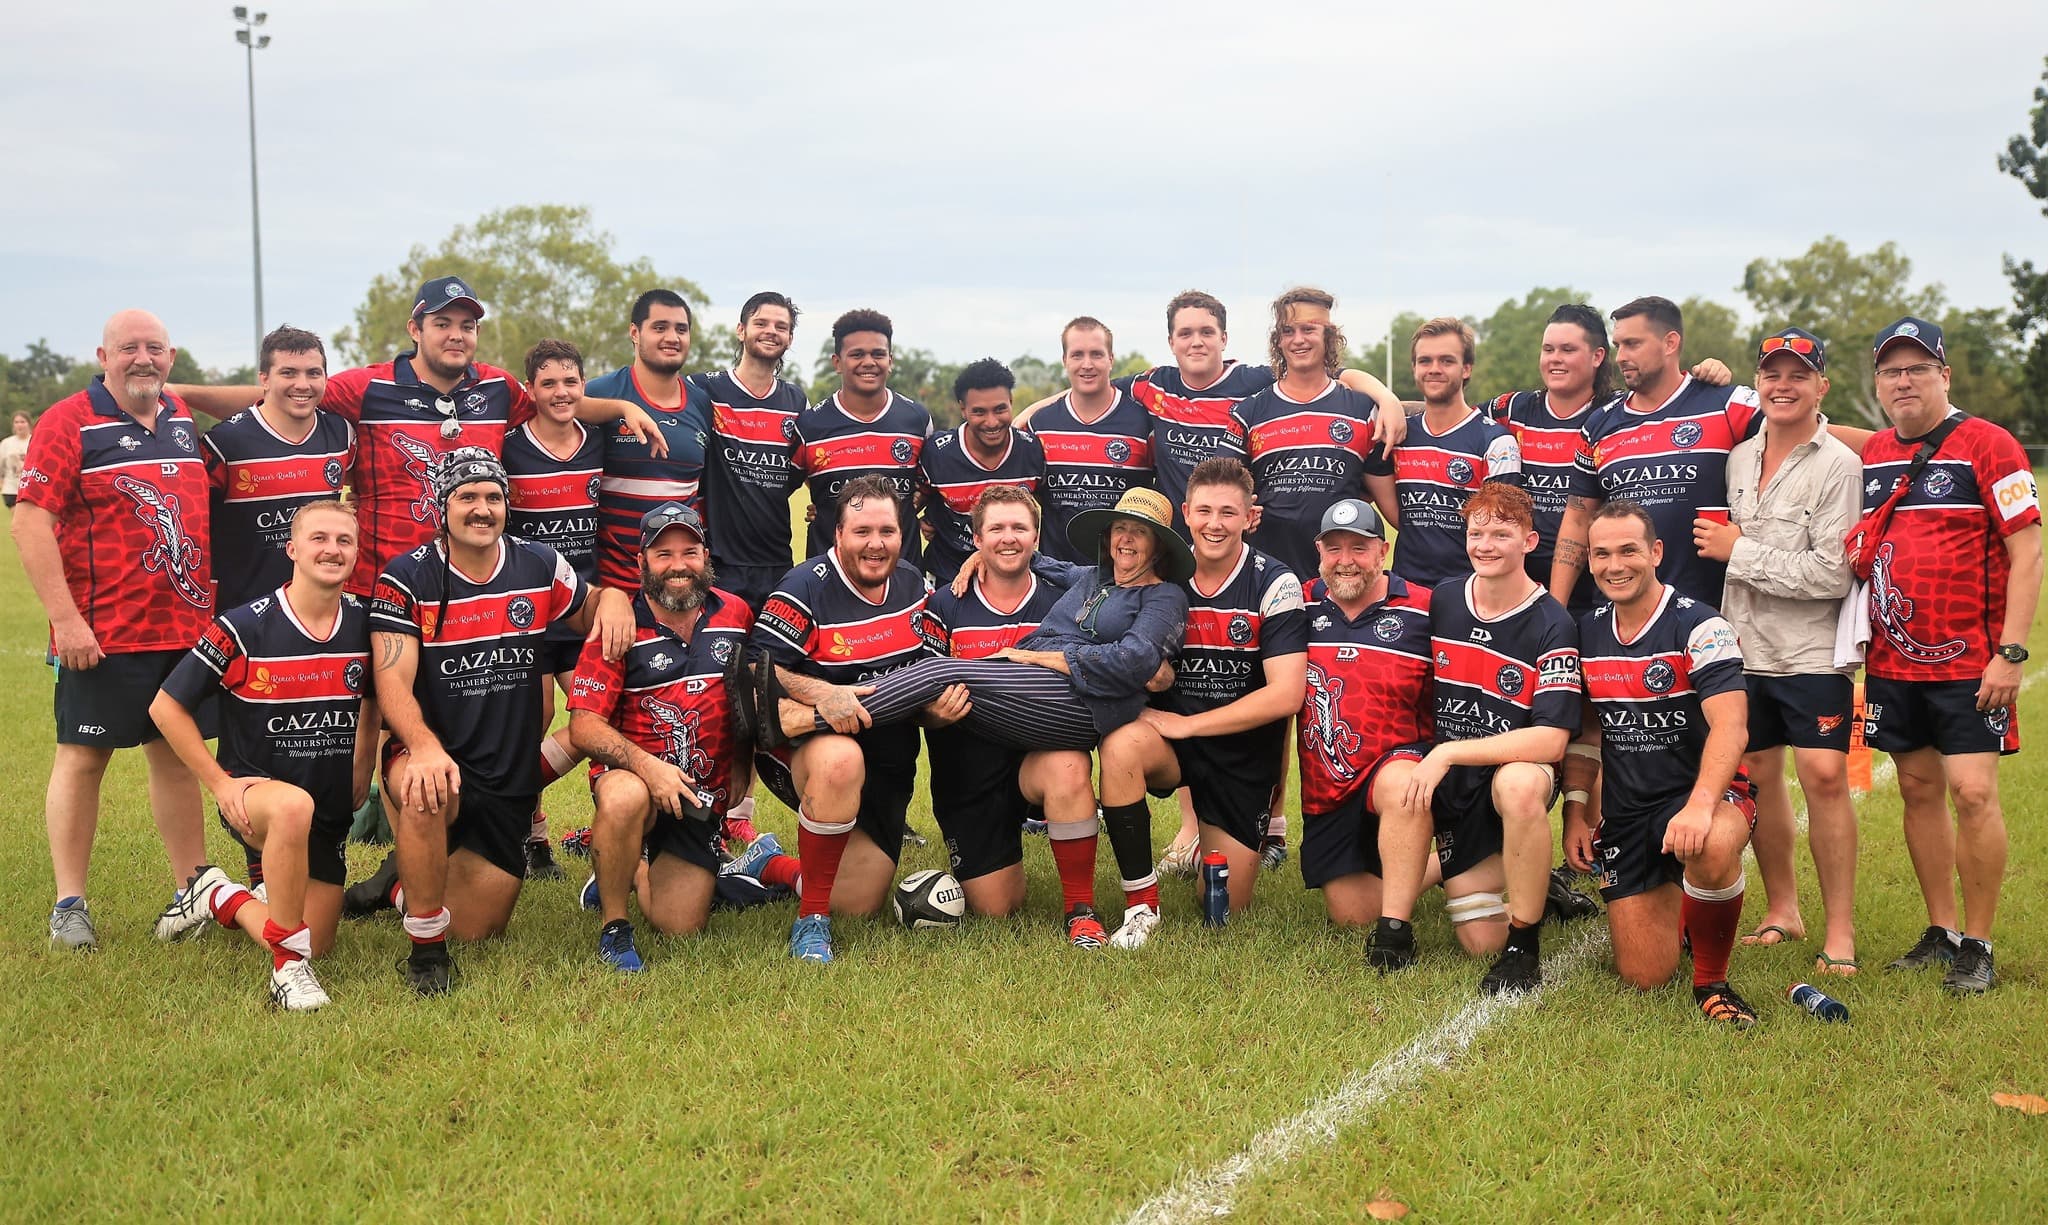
983 172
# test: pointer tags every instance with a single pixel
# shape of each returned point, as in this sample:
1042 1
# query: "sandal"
1839 967
1762 937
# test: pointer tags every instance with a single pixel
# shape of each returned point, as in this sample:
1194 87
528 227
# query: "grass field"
987 1073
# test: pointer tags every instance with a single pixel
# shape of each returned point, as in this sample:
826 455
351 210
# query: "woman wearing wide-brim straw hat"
1084 672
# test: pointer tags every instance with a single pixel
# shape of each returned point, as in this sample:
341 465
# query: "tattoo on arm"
607 747
809 690
390 648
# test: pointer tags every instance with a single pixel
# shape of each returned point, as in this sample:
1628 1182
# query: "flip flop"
1840 967
1756 938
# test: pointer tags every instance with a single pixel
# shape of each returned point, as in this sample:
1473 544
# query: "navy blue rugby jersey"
953 479
1303 456
1673 460
289 700
1256 614
977 629
1189 424
817 623
1647 693
834 446
1550 446
259 479
634 481
1520 669
750 469
554 497
480 668
1434 476
1088 464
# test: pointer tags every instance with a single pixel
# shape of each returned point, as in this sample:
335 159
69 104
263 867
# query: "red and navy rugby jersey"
1937 588
1434 476
480 668
1255 615
667 696
1647 693
1519 670
1550 447
750 470
399 445
260 478
953 479
1368 691
1088 464
976 629
636 482
1303 456
816 623
1673 460
289 700
553 500
131 518
834 446
1190 424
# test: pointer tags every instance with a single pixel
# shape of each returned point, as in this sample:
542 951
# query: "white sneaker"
1179 860
1139 921
261 892
294 989
188 913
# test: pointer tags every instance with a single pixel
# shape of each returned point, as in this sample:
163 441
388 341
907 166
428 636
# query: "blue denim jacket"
1114 639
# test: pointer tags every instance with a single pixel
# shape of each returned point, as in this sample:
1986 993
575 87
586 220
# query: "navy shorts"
107 706
1901 716
976 801
1806 712
1232 779
326 846
1346 840
495 827
1468 827
1629 856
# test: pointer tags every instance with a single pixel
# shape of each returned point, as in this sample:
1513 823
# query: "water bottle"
1818 1002
1215 889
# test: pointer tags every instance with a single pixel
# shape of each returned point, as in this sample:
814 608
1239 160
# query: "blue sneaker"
810 939
615 948
1034 828
587 898
753 859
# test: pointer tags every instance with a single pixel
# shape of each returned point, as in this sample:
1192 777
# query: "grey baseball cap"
1352 515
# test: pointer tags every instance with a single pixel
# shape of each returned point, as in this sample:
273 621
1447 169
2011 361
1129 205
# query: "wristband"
1577 797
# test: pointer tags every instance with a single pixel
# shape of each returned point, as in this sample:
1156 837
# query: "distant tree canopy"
2026 159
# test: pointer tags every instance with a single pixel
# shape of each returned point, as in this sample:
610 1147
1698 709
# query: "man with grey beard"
112 530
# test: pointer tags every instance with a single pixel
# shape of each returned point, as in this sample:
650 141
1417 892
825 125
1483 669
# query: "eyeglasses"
1798 344
1916 372
450 427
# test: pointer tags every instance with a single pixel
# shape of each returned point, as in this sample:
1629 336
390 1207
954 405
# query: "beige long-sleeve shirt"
1787 573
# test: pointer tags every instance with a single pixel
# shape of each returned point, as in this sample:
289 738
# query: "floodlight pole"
251 44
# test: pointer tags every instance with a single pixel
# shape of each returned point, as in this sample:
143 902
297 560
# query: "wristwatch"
2013 653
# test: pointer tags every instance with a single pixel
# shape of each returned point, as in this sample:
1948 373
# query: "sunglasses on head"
1797 344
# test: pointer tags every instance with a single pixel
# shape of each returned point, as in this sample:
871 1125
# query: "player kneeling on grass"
658 728
1507 702
291 669
456 626
1668 727
1221 728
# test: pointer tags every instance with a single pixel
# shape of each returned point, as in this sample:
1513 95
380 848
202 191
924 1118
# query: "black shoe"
367 897
1718 1002
1514 970
768 697
912 838
540 861
739 696
428 969
1390 948
1971 972
1564 904
1933 949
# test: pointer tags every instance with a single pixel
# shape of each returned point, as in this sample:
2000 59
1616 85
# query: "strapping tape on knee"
1698 894
1473 907
828 829
1067 831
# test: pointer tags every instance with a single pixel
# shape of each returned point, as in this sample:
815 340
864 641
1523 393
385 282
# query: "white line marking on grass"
1209 1193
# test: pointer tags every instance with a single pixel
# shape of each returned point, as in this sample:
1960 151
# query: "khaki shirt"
1787 573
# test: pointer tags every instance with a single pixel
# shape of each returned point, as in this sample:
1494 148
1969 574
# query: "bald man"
112 530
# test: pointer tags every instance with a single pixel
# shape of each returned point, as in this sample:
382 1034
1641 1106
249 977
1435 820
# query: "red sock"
820 854
783 870
1712 922
228 901
281 952
1148 894
1075 858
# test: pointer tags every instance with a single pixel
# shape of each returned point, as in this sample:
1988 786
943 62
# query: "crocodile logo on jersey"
789 429
420 462
590 490
1118 451
1332 738
1938 484
678 729
902 452
520 613
1998 721
474 403
1891 610
332 472
1659 677
1509 679
174 553
1240 629
352 676
721 650
1460 472
1387 628
1340 431
1686 434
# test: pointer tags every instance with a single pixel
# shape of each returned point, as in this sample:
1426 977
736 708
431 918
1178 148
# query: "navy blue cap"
1919 331
666 516
1799 342
441 293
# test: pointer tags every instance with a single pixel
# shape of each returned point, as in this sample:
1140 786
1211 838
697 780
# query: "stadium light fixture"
246 23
